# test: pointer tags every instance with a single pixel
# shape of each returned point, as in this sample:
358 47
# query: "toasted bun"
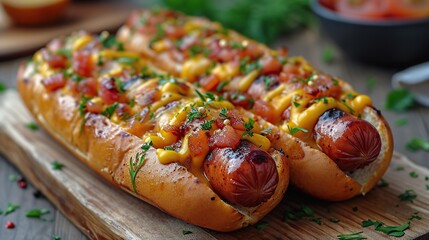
106 149
311 170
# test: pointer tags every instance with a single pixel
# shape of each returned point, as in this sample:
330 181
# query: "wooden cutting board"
103 212
91 16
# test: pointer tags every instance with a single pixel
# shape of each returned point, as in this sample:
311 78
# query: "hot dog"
286 91
155 137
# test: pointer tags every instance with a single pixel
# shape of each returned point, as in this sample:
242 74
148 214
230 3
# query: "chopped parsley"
65 52
416 144
2 87
294 130
323 99
246 67
222 85
169 148
56 237
395 231
207 125
110 110
248 126
414 174
296 104
401 122
383 183
399 168
328 55
297 214
36 213
82 104
317 220
236 45
137 163
408 195
335 81
351 236
11 207
268 81
57 165
32 126
415 216
127 60
194 113
119 85
186 232
159 34
109 41
261 225
13 178
196 49
223 113
399 100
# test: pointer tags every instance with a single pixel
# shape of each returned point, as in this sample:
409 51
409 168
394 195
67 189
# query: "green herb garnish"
36 213
221 85
399 168
408 195
223 113
294 130
32 126
169 148
328 55
296 104
137 163
266 131
267 82
317 220
383 183
2 87
416 215
159 34
56 237
186 232
57 165
194 113
399 100
401 122
417 144
127 60
13 178
11 207
110 110
351 236
395 231
261 225
207 125
414 174
248 126
82 104
119 85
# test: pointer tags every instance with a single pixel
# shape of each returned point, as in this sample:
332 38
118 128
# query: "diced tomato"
409 9
209 83
94 107
82 63
251 51
227 137
88 87
174 31
54 60
241 99
323 86
54 82
235 120
363 9
265 110
108 91
286 77
270 65
198 143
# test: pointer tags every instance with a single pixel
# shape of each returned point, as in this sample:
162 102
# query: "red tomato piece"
82 63
94 107
54 82
270 65
209 83
329 3
88 87
227 137
174 31
266 110
363 9
108 92
54 60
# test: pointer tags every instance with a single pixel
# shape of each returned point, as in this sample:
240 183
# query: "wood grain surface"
102 212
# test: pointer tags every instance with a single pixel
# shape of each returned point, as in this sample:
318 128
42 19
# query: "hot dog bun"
107 146
287 91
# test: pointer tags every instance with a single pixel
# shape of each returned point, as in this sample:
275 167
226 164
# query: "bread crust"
106 149
312 171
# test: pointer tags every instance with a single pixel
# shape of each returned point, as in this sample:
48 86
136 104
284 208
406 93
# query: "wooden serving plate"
103 212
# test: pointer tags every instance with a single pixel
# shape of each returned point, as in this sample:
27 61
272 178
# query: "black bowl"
389 43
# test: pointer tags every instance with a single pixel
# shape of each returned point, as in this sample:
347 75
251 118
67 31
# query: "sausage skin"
246 176
351 142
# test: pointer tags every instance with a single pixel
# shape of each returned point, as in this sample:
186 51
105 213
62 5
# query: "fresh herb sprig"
137 163
248 126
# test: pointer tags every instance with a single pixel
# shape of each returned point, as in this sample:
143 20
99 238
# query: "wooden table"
308 43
